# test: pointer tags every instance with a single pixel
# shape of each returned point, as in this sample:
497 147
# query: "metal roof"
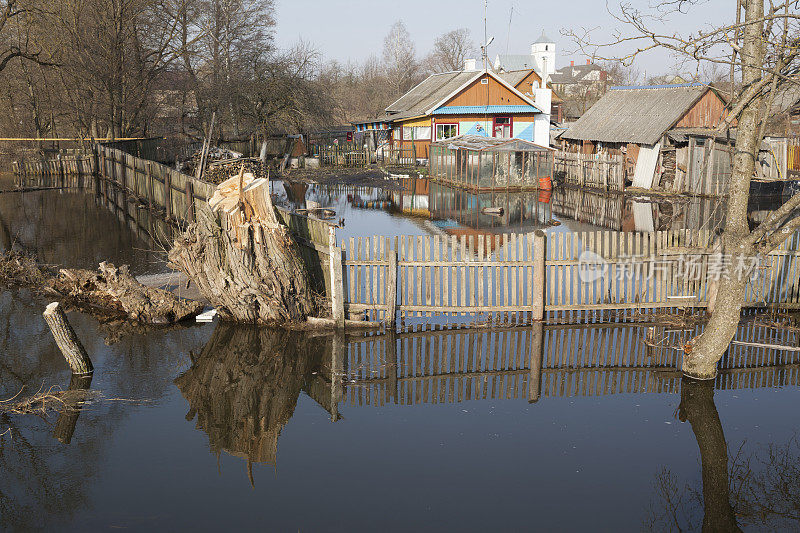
485 109
543 39
433 89
635 114
480 143
509 62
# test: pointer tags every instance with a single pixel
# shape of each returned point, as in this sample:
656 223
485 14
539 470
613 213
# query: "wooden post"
148 183
539 268
168 193
338 356
391 290
536 361
67 341
190 200
337 282
392 363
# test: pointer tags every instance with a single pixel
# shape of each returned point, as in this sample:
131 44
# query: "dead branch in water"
110 291
47 401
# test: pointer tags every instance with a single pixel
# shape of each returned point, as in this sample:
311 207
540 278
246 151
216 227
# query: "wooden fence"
517 278
343 156
67 165
599 171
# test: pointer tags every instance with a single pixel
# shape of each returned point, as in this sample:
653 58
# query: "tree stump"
67 341
243 260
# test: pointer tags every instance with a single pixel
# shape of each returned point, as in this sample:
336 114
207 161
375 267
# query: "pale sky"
354 29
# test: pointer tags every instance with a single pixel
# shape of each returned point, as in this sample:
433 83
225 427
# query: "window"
416 133
445 131
502 127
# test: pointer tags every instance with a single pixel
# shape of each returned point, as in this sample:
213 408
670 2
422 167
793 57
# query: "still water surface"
213 427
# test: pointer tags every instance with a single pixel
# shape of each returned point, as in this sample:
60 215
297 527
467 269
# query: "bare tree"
450 50
761 49
399 57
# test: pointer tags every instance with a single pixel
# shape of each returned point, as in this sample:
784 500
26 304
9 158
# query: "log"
67 341
108 292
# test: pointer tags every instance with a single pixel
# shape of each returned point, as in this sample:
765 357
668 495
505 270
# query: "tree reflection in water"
756 490
244 386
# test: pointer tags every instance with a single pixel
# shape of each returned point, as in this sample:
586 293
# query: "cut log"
67 341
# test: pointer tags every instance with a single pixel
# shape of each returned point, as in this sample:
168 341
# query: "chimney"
572 63
470 65
588 62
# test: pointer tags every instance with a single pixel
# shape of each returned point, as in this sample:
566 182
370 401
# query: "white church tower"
544 56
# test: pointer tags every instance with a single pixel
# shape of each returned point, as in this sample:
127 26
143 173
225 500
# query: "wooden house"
468 102
648 126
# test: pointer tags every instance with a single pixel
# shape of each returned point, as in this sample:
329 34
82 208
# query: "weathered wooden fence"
600 171
343 156
516 279
67 165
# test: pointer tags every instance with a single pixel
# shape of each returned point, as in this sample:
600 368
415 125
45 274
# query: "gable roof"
515 77
437 89
635 114
786 99
509 62
431 90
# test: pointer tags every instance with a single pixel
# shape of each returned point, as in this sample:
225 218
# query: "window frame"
454 124
510 127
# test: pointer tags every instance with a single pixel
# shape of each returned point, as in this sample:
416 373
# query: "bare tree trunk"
709 347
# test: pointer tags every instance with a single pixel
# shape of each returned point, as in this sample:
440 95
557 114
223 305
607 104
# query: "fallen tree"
110 291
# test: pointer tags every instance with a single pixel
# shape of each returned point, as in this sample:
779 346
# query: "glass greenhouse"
485 163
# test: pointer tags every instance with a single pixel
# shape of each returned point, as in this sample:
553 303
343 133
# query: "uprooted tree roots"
110 291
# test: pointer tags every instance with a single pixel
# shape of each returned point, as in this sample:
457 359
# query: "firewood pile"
221 164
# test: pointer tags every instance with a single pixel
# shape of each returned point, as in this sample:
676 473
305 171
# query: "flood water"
210 427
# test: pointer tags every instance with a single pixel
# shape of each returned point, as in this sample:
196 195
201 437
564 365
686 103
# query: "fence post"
535 364
148 183
337 282
539 268
168 193
189 200
391 290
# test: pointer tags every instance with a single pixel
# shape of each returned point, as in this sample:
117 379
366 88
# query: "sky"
354 29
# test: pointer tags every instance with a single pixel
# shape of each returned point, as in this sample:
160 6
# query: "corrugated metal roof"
635 115
425 95
509 62
485 109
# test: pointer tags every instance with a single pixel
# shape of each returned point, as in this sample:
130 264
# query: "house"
785 112
581 82
643 124
468 102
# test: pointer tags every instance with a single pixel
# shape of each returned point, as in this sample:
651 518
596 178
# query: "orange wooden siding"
708 112
492 93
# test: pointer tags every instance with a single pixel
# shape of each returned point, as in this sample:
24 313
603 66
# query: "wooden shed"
635 122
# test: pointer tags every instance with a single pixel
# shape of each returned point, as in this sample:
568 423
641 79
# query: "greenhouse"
482 163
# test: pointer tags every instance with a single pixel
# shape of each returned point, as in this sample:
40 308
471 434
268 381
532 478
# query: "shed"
481 163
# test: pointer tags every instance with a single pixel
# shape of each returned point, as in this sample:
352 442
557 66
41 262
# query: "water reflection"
244 385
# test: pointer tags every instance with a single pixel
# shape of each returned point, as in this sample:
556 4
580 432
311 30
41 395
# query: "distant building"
542 58
580 80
